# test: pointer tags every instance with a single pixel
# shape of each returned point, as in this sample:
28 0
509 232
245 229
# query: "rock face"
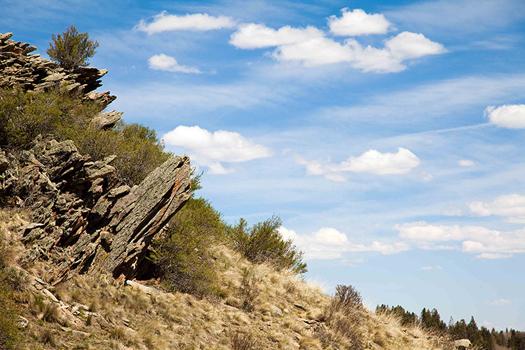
84 219
20 68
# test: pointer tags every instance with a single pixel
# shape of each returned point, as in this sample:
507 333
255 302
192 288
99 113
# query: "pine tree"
71 49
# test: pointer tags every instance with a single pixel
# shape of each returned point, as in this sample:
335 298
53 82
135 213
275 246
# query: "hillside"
96 312
85 201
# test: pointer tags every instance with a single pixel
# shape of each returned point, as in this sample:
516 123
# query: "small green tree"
71 49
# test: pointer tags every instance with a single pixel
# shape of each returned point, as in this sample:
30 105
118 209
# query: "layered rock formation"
20 68
84 219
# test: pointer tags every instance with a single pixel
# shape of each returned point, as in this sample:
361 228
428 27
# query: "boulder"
107 120
462 344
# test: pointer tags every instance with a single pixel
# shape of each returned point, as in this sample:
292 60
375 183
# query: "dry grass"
285 313
244 341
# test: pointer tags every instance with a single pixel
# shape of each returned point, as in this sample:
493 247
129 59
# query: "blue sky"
388 136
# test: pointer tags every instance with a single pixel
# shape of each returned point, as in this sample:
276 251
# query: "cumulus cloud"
481 241
375 162
466 163
328 243
407 45
358 22
256 36
507 116
168 63
310 46
213 149
511 207
164 22
372 161
314 52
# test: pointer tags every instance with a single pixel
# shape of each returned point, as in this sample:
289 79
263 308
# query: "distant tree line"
480 337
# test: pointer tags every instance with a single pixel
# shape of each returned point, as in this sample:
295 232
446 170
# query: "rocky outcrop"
83 218
107 120
20 68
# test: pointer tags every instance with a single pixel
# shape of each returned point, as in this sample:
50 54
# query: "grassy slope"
103 313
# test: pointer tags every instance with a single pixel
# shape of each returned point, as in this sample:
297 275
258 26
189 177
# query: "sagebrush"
262 243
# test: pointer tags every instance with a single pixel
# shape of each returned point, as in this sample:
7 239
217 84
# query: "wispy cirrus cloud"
460 17
431 100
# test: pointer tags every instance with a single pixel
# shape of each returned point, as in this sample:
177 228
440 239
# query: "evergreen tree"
71 49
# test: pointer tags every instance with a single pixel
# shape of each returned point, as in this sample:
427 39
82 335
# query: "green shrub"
264 244
184 257
71 49
136 147
24 115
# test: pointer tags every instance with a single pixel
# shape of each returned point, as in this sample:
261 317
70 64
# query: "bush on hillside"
250 289
344 318
263 243
346 301
71 49
24 115
136 147
184 256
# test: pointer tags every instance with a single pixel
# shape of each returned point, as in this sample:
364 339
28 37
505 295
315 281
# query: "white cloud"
169 64
314 52
431 268
507 116
372 161
407 45
501 302
164 22
329 243
390 59
310 47
511 207
466 163
358 22
481 241
375 162
256 36
212 149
